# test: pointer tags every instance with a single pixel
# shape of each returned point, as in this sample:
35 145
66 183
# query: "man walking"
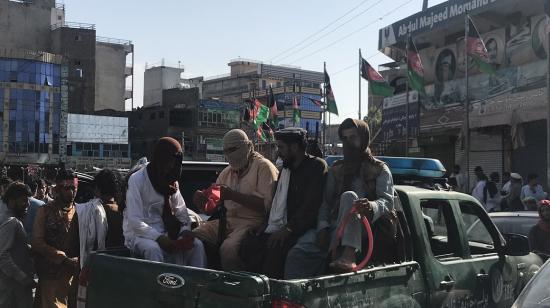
156 221
16 268
55 241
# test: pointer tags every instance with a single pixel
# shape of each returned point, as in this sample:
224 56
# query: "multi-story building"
507 114
252 79
198 123
158 78
50 67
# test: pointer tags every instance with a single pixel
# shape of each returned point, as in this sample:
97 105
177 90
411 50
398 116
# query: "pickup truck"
444 266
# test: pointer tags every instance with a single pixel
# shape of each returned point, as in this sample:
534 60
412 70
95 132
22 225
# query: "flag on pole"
377 84
317 102
475 47
272 105
296 115
260 113
415 70
331 101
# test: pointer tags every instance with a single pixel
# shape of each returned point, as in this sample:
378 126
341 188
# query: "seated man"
361 180
156 222
295 205
246 186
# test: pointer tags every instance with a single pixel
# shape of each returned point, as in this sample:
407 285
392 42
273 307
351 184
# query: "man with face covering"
359 179
246 186
156 221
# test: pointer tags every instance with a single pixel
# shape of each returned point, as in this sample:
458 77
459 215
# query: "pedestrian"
533 188
295 205
156 222
100 219
56 244
506 182
34 204
458 179
4 183
539 236
491 195
246 192
479 189
42 191
358 180
513 200
16 266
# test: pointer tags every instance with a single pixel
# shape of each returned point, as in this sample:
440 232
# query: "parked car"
443 267
509 222
536 293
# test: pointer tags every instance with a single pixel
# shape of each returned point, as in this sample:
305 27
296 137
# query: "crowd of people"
515 194
278 221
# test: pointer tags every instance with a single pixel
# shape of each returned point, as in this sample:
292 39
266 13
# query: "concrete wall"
78 46
110 80
157 79
26 26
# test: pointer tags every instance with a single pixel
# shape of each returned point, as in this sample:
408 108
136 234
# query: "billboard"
97 129
394 117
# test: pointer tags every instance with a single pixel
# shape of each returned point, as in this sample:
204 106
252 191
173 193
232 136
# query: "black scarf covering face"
354 157
167 150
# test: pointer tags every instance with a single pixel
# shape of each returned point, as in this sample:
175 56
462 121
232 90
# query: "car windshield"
537 293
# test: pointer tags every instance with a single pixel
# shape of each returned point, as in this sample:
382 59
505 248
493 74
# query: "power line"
319 31
333 30
352 33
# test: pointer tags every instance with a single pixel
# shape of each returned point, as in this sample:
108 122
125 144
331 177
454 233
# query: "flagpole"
467 103
360 64
325 110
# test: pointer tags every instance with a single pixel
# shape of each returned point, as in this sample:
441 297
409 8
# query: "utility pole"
467 103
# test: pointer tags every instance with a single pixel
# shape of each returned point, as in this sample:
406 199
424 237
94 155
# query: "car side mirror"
516 245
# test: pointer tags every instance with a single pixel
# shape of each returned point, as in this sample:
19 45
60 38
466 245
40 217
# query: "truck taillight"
81 296
281 303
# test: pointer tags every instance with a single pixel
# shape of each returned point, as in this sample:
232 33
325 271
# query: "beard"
288 162
351 152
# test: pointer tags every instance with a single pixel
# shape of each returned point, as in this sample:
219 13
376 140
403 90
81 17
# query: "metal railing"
109 40
74 25
60 5
217 77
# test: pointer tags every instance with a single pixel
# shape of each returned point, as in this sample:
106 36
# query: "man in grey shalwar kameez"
358 179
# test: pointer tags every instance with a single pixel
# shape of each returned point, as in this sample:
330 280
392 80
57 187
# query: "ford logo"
171 281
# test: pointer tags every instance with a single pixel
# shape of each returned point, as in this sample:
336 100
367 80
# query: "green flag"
415 70
377 84
475 47
331 102
296 114
261 113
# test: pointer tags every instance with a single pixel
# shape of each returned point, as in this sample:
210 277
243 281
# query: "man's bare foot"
346 262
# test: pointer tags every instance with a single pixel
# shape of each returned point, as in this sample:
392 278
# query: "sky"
205 35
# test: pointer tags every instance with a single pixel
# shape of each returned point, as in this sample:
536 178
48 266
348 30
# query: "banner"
394 117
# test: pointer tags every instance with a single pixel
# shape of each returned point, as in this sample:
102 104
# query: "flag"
377 84
272 105
331 102
415 70
296 115
260 134
260 113
317 102
475 47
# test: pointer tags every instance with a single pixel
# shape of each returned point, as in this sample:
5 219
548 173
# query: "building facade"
250 79
507 110
48 68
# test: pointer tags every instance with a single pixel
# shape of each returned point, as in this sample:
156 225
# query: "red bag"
213 194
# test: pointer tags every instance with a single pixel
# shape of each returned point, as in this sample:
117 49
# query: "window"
479 238
78 72
441 229
78 38
161 115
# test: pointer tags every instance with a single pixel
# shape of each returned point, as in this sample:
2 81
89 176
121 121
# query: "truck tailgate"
115 281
